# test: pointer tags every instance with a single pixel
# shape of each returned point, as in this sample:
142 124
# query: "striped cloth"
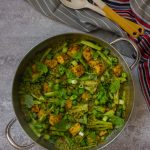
87 20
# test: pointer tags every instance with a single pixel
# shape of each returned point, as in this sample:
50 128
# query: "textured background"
21 28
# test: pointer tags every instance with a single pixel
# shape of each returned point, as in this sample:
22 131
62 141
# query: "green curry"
74 95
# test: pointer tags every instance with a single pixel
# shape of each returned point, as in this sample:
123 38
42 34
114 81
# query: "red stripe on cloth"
121 0
142 22
144 90
145 42
147 77
146 47
126 10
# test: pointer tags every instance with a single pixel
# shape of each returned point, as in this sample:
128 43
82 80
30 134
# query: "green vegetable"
100 108
92 45
72 81
61 69
116 98
63 125
45 54
91 139
65 49
51 94
28 101
115 86
41 67
38 134
78 57
110 113
123 77
105 118
79 108
104 58
117 121
62 47
73 97
74 63
95 54
102 95
101 125
46 137
69 74
82 120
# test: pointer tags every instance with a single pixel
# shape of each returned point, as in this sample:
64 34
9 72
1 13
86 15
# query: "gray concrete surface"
21 28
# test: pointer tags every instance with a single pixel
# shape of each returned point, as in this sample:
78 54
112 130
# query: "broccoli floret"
117 121
123 77
102 95
109 113
100 108
78 109
101 125
114 86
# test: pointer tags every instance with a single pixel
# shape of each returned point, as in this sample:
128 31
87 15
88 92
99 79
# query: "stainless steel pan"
52 42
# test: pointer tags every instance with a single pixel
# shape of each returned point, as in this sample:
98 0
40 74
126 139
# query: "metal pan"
52 42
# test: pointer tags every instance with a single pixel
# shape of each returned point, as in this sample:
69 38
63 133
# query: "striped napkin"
87 20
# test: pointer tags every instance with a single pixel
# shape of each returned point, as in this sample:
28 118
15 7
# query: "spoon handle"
95 8
131 28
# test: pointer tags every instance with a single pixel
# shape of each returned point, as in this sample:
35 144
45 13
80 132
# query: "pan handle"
138 54
10 139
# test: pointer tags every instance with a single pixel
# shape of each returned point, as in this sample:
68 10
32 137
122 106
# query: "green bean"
45 54
92 45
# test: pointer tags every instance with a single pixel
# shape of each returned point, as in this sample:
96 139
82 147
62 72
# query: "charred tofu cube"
68 104
54 119
46 87
102 133
62 58
78 70
99 68
87 54
117 70
75 129
93 63
85 96
35 108
73 50
51 63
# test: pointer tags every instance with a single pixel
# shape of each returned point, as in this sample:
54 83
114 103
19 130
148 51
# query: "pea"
74 103
82 129
56 86
103 138
83 143
81 90
56 112
73 97
50 84
64 50
75 92
38 126
46 137
94 112
96 102
62 110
